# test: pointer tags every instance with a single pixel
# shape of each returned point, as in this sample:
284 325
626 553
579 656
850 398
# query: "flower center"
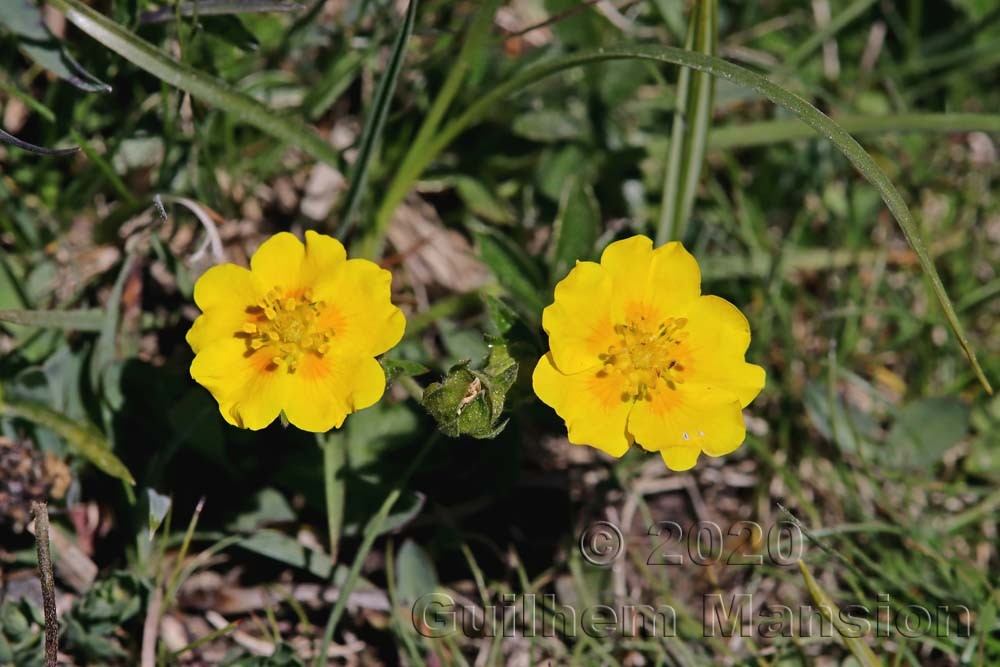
645 353
287 325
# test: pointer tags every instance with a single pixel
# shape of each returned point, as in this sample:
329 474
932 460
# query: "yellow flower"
298 332
639 355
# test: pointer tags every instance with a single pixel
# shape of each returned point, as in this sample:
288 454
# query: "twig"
41 512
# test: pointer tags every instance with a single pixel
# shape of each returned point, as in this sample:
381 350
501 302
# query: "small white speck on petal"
686 436
701 434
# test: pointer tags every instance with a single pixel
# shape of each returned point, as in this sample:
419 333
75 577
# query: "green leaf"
482 203
270 508
25 20
548 126
89 319
576 229
415 573
284 549
862 652
206 88
395 368
41 150
159 505
375 122
810 115
692 119
775 131
230 29
924 430
217 8
84 439
513 269
335 466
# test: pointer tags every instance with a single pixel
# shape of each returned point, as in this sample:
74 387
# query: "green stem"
372 530
688 137
334 446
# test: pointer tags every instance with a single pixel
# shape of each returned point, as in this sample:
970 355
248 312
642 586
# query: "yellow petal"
650 283
579 320
324 390
590 404
218 323
226 285
278 262
680 458
718 336
324 256
700 417
223 292
358 308
250 389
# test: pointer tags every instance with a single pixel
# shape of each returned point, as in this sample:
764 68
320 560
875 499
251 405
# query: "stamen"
286 323
645 355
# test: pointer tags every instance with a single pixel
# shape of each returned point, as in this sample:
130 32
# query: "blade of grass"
375 122
41 150
775 131
218 8
144 55
372 530
862 652
475 40
810 115
692 118
89 319
851 12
